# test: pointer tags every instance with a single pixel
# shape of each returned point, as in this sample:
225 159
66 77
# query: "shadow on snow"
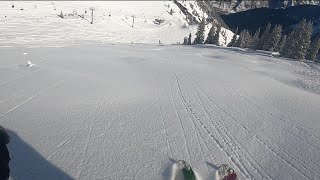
27 163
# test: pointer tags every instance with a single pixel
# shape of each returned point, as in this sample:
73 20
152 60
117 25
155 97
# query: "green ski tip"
186 169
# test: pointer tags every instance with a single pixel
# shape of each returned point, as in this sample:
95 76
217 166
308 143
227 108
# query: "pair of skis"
185 172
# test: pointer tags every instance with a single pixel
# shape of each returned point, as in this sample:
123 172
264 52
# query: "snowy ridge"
195 10
232 6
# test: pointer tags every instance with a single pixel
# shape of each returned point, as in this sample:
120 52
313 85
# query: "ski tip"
225 172
183 171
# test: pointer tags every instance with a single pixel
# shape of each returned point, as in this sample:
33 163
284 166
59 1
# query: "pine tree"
211 35
61 15
249 39
298 42
288 48
216 36
306 39
185 40
239 41
244 39
302 37
272 41
200 33
281 44
224 37
264 36
255 39
276 38
314 49
234 39
189 39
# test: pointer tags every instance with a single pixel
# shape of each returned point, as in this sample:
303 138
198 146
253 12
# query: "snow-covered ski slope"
129 111
38 24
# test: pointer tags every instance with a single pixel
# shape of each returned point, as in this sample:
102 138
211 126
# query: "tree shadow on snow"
27 163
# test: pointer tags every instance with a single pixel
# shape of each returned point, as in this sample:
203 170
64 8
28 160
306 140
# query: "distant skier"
4 155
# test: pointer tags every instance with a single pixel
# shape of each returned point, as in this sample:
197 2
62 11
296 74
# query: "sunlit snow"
93 105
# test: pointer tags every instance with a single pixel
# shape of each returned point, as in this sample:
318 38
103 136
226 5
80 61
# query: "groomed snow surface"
129 111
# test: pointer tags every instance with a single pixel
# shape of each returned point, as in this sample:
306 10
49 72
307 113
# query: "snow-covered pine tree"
302 39
234 39
288 47
314 49
273 39
255 39
264 37
306 40
298 41
277 38
244 40
200 33
216 36
281 43
189 39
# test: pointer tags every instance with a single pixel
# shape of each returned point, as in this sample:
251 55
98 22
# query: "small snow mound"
30 64
275 54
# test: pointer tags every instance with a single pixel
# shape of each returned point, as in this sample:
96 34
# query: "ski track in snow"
238 153
140 108
29 99
19 77
254 135
235 158
231 147
300 163
190 112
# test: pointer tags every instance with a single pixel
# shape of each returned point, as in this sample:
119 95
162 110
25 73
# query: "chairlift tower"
92 9
132 20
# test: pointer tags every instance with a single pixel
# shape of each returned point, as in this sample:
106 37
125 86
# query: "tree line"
212 38
296 45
